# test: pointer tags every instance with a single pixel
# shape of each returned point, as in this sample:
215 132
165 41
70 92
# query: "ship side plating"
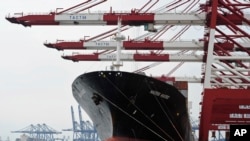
133 106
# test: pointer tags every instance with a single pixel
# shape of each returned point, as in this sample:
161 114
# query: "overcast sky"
35 82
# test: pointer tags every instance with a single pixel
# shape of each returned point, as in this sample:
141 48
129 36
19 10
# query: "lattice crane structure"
8 139
39 132
84 130
223 50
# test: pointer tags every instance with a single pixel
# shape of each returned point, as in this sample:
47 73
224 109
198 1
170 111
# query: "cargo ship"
127 106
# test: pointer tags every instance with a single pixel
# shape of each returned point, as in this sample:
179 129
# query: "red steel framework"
226 43
226 96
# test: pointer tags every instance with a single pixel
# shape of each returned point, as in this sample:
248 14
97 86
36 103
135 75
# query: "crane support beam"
174 79
140 45
133 19
135 57
129 45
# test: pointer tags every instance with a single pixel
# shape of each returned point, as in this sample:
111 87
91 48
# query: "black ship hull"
126 106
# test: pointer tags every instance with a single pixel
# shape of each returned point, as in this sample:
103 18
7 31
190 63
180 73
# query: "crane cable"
119 90
126 113
169 119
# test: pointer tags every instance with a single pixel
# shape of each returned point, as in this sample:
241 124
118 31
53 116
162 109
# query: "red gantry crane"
225 48
80 17
226 92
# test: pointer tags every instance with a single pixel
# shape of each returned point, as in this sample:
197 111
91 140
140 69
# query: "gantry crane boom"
129 45
141 45
155 57
132 18
135 57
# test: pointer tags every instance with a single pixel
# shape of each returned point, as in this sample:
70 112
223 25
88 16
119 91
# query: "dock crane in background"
84 130
8 139
225 47
39 132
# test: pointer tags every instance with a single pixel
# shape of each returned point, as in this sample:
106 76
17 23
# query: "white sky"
35 82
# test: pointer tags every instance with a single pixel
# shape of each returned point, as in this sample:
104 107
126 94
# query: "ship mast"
118 38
